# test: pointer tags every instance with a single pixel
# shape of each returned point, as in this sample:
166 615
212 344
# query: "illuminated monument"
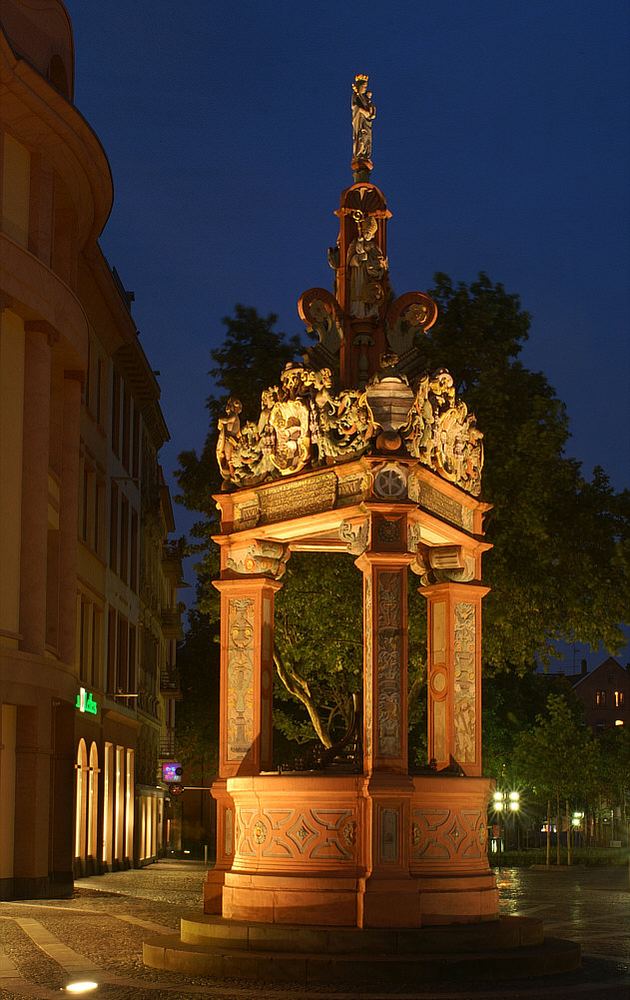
357 450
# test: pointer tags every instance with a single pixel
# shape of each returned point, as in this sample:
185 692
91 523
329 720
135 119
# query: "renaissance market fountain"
324 875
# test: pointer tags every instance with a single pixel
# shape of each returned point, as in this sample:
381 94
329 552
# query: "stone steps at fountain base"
449 953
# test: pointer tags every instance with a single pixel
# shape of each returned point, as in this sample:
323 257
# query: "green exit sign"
86 702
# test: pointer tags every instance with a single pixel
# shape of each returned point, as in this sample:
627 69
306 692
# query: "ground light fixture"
82 986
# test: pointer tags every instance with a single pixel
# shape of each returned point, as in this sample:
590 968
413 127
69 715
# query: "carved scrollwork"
408 316
259 558
355 536
322 315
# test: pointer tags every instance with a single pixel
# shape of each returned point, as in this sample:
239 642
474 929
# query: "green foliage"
557 758
560 566
197 715
250 358
511 704
319 634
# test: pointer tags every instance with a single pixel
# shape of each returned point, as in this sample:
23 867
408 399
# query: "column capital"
252 557
42 326
463 591
240 584
378 559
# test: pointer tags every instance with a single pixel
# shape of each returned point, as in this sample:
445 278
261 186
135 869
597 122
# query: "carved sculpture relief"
322 315
262 558
367 267
303 424
407 317
389 663
363 115
355 536
368 699
464 704
240 677
443 435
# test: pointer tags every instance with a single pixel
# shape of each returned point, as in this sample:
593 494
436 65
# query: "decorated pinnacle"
363 114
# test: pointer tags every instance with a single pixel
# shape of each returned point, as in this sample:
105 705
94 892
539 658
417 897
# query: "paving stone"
589 905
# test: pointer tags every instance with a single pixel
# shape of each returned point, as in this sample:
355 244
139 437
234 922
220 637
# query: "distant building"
88 609
605 694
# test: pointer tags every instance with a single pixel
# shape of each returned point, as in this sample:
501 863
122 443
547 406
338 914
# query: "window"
113 530
124 539
135 461
126 427
116 413
619 699
133 575
111 651
600 699
85 508
99 391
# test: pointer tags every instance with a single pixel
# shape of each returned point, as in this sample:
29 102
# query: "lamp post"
510 803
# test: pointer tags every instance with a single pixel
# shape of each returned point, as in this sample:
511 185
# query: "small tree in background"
557 760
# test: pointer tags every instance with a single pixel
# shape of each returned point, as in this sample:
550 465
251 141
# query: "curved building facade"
83 517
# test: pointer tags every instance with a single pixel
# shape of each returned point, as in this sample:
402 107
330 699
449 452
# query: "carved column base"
215 878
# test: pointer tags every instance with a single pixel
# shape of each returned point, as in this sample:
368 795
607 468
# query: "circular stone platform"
508 948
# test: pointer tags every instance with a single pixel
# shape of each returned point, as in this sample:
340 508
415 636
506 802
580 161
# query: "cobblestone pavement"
98 934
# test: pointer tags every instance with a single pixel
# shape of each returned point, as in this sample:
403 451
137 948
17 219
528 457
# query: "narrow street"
98 934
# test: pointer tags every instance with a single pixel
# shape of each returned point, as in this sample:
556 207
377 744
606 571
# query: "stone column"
36 434
68 515
454 675
388 897
246 686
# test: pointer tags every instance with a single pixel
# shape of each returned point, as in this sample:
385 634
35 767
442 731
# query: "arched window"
57 75
92 803
80 810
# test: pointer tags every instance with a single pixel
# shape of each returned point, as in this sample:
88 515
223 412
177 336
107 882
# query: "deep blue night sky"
502 144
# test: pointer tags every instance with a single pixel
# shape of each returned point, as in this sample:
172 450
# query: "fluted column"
36 434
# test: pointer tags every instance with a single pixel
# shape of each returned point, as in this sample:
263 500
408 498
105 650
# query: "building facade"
88 610
605 694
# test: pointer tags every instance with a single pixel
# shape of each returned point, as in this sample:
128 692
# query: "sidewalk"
98 935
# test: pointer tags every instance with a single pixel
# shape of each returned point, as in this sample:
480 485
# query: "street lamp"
510 802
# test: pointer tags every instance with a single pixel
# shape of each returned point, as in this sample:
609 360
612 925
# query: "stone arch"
92 803
81 800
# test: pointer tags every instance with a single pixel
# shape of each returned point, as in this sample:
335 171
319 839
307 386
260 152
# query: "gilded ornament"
259 832
304 424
